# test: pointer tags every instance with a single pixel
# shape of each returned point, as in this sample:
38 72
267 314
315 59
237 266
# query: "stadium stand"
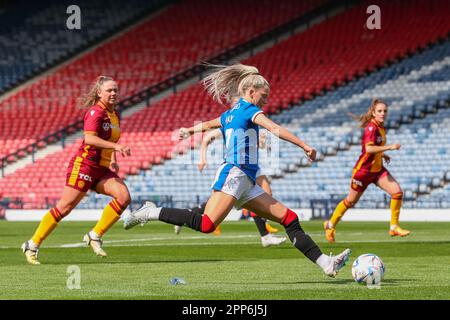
34 36
325 129
147 54
418 92
323 125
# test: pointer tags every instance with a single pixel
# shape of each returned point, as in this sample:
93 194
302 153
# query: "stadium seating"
145 55
341 48
41 26
417 87
150 130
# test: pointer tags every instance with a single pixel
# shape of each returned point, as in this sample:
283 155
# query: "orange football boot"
329 232
271 229
399 232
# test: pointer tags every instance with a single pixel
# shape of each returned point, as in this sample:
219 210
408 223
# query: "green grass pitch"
232 266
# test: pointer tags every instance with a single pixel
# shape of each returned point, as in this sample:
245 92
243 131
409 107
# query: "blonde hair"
92 97
228 82
365 118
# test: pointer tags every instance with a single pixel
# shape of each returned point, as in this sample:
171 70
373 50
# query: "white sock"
323 261
393 226
267 236
33 246
93 235
153 214
330 225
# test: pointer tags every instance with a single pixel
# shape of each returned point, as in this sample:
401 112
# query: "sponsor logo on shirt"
236 107
108 125
84 177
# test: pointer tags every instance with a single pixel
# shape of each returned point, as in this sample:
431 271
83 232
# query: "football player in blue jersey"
264 228
235 181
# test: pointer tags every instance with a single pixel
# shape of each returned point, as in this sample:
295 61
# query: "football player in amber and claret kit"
94 167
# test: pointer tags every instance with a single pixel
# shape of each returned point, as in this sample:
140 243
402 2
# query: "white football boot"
147 212
337 263
270 240
30 254
95 244
177 229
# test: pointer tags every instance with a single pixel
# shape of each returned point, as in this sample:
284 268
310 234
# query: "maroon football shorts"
82 176
362 178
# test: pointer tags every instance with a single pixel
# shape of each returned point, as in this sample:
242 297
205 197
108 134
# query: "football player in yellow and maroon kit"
369 169
94 167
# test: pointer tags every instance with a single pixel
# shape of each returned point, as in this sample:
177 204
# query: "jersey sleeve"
370 135
252 111
222 119
93 122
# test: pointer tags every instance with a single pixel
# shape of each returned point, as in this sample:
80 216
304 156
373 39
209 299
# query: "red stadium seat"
330 53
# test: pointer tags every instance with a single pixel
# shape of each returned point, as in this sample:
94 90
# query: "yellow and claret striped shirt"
374 134
103 123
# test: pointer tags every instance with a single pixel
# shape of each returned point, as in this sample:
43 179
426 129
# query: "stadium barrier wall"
304 215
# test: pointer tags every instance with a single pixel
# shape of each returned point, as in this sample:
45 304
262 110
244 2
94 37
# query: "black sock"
181 217
302 241
200 209
261 225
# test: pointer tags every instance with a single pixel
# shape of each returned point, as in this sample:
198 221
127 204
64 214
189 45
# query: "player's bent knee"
65 209
398 195
289 217
124 200
207 225
349 204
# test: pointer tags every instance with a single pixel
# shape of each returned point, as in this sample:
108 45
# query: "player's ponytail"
92 97
365 118
229 82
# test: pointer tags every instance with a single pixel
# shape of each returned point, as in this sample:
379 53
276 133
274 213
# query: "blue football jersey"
241 137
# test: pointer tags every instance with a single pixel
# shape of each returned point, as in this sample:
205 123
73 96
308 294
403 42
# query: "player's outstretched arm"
284 134
201 127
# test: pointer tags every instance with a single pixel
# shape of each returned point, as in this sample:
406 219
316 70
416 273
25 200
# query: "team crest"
106 126
80 184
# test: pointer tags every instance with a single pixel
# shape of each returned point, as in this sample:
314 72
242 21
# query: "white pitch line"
175 240
118 243
79 244
172 238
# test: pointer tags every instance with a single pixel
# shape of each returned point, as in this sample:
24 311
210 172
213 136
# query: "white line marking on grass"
216 240
82 244
197 244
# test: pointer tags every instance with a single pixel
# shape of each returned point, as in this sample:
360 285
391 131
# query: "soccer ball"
368 269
